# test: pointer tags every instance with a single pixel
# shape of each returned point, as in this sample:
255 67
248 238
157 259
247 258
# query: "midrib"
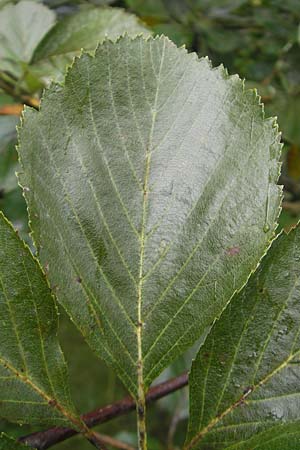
140 375
141 401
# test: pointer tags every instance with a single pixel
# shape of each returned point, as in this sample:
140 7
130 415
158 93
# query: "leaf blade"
32 368
129 199
249 396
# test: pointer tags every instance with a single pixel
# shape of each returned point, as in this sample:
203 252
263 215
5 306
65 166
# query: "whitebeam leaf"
33 386
151 185
244 383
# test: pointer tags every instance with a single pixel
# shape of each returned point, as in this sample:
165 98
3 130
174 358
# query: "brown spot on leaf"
52 402
232 251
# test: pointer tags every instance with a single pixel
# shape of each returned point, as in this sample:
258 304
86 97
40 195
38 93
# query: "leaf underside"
33 387
151 185
244 383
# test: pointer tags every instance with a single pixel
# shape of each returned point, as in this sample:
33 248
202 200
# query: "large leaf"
33 386
151 185
244 384
84 29
22 26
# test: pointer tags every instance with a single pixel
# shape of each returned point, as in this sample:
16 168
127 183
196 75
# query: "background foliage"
259 39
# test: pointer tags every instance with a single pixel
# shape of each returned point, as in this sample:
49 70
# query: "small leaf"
33 386
244 383
22 26
151 184
83 30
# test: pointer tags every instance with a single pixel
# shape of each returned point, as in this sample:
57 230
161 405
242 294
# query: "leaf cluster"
151 184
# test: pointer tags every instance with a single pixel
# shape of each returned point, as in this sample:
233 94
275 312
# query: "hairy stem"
141 420
42 440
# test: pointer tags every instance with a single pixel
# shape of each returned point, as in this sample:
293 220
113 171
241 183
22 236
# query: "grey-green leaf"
244 383
22 26
83 30
151 185
33 378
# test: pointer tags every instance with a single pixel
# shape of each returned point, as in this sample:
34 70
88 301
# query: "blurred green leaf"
147 8
86 29
221 40
287 109
12 202
3 3
8 167
287 221
7 131
178 33
83 30
22 26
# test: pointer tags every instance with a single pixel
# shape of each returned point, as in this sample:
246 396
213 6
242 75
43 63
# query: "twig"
292 207
11 110
96 440
173 427
42 440
177 417
23 97
113 442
